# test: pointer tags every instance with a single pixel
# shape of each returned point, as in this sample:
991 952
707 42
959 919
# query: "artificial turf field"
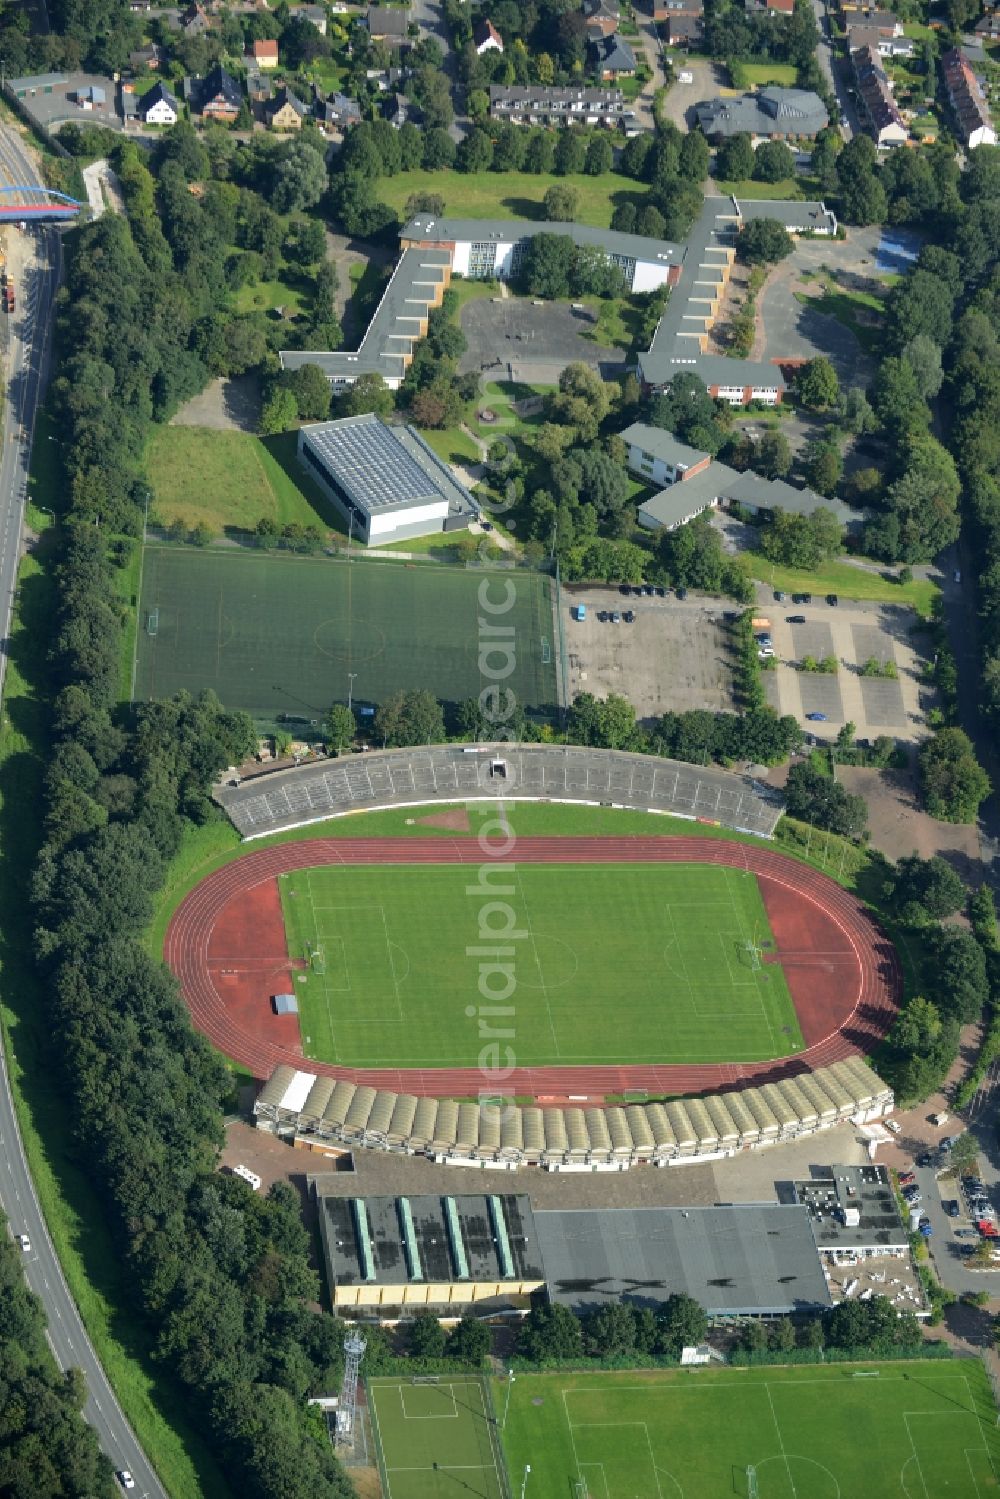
614 963
435 1439
277 634
924 1430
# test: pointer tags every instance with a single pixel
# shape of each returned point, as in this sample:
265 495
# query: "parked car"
626 589
616 618
816 717
952 1208
894 1126
24 1243
795 619
681 593
832 600
926 1159
661 593
629 617
905 1178
966 1233
779 596
602 615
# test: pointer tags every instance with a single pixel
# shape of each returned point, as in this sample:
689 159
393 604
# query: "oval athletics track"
842 971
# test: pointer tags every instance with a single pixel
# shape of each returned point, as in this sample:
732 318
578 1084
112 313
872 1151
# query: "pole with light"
350 689
524 1480
506 1404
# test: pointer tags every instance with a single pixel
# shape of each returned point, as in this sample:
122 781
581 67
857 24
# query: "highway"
27 372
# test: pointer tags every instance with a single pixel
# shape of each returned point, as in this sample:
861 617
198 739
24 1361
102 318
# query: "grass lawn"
435 1439
391 985
289 292
454 446
510 195
842 577
758 74
788 188
230 480
924 1428
73 1212
855 309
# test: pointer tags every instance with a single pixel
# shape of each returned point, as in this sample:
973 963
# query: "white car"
125 1479
24 1242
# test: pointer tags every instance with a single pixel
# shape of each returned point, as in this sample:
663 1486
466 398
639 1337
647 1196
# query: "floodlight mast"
354 1351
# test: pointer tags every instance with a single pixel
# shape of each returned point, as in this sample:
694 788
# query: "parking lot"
538 339
676 654
853 633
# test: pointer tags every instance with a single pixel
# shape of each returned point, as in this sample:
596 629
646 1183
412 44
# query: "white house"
159 107
486 38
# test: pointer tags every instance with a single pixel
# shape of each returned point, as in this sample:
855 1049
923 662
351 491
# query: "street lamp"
524 1480
350 688
506 1404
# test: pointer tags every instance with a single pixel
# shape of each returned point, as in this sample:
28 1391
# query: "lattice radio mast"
347 1410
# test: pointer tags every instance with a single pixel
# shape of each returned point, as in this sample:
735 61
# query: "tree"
426 1338
438 149
299 179
823 467
469 1341
424 202
560 203
921 304
600 156
369 393
956 973
609 1332
682 1324
856 412
773 162
924 358
817 385
341 726
781 1335
550 1332
925 889
608 724
694 157
279 412
925 500
763 242
571 153
548 265
952 781
897 400
917 1028
311 390
475 152
410 718
734 160
814 797
773 458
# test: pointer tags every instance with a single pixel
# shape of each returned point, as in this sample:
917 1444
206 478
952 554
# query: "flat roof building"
386 482
754 1259
851 1208
395 1252
770 114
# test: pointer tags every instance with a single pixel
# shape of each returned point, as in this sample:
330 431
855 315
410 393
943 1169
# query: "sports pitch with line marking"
923 1430
613 963
435 1440
279 634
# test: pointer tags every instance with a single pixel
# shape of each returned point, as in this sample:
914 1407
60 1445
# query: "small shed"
285 1004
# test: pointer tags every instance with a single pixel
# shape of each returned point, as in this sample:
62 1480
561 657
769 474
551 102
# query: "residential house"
314 14
603 18
486 38
147 59
337 112
396 109
195 20
158 106
684 23
774 7
879 110
215 97
285 111
258 88
387 25
968 100
550 104
987 28
264 54
612 58
862 34
770 114
659 456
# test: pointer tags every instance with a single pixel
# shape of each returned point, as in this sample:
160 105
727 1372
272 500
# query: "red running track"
226 944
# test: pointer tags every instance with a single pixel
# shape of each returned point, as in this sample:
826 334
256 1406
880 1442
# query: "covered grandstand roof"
303 1103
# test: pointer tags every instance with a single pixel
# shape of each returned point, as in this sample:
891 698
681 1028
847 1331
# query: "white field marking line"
604 1479
451 1415
572 1438
496 1446
916 1455
972 1474
974 1410
765 1014
538 961
326 988
388 959
774 1417
379 1449
652 1459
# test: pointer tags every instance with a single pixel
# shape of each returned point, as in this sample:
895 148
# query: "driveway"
790 328
836 72
653 47
708 82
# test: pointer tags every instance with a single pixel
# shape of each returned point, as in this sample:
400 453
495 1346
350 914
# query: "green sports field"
435 1441
923 1430
611 963
278 634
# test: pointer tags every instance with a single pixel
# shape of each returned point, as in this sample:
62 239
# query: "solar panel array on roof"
370 463
296 1102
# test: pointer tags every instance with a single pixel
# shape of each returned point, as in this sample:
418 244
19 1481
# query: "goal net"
317 959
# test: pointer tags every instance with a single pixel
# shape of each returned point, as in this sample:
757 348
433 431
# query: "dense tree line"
696 736
221 1275
46 1447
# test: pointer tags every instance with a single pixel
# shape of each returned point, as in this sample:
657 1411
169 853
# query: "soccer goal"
317 959
753 1492
152 621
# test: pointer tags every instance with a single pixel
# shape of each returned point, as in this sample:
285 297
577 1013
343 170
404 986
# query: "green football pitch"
435 1440
610 963
924 1430
276 634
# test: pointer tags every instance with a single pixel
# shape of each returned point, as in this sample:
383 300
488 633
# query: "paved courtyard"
854 633
675 655
538 339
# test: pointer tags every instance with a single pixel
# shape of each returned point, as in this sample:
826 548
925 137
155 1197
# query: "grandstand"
310 793
300 1104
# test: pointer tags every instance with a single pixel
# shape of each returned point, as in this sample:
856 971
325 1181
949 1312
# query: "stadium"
656 967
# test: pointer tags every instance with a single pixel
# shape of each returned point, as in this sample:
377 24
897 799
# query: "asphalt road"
27 364
835 71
